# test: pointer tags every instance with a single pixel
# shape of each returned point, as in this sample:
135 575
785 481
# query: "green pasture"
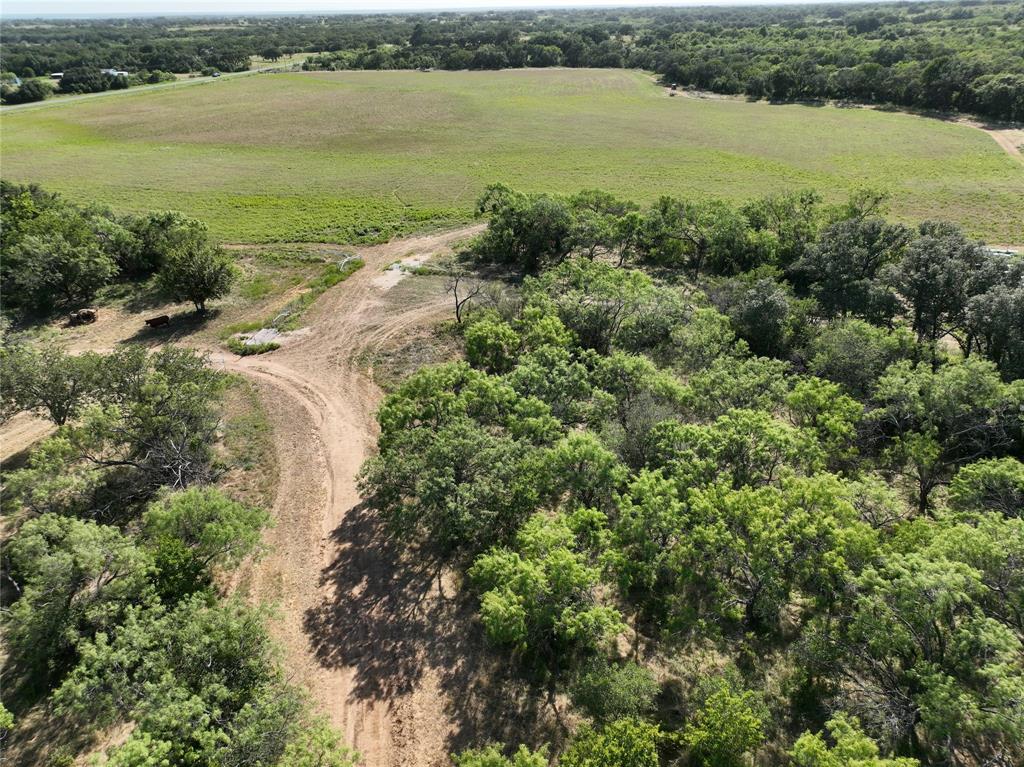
361 156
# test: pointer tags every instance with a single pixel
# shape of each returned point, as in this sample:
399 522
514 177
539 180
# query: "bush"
613 691
239 347
729 723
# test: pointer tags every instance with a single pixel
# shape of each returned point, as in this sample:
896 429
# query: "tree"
921 658
598 302
199 677
491 345
728 724
540 597
62 265
705 336
852 748
842 266
317 745
531 231
622 743
745 550
854 353
995 324
933 422
457 282
833 417
194 530
764 317
933 277
75 579
45 379
994 484
610 691
197 272
491 756
29 91
159 234
154 424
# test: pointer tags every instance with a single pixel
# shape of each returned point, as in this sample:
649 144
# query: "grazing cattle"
156 322
82 317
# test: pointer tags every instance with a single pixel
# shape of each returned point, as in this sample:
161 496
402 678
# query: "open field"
363 156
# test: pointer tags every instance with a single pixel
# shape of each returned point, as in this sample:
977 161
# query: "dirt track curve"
321 405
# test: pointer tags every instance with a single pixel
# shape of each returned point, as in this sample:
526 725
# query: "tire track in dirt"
322 406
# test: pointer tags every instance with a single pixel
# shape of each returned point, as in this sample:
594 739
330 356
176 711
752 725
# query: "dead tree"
462 290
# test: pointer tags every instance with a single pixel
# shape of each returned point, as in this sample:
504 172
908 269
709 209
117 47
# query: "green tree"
852 748
844 263
45 379
75 579
193 531
197 272
933 278
198 680
932 422
994 484
609 691
159 234
833 417
29 91
530 231
623 743
540 598
317 745
62 263
491 756
219 531
729 723
491 345
854 353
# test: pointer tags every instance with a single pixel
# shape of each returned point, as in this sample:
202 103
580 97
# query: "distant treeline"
966 56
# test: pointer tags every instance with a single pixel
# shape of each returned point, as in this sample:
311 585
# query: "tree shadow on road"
388 620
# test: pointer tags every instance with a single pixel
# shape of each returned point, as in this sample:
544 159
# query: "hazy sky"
155 7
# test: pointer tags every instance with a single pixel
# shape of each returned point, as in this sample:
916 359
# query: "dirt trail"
20 433
1010 139
322 406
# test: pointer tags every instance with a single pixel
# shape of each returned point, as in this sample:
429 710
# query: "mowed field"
362 156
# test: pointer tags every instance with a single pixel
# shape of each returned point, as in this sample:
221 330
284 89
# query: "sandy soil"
20 433
1010 139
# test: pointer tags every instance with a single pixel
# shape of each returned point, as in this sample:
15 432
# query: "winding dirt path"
321 406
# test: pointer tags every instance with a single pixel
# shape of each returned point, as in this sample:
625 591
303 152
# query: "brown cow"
156 322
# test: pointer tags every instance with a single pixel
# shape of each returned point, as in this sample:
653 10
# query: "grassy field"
359 156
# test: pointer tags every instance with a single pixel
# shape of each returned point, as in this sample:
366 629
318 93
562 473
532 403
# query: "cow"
82 317
157 322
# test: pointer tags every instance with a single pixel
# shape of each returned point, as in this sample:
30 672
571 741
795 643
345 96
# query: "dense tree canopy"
771 474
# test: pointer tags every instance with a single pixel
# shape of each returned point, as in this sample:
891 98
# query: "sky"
107 8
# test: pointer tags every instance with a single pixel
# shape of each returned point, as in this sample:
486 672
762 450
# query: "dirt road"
354 622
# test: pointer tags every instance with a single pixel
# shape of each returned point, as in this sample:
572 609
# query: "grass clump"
239 347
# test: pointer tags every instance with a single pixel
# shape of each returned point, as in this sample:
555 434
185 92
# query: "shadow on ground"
389 621
179 325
